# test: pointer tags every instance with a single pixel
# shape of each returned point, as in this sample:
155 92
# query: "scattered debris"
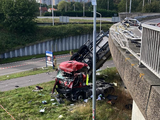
99 97
42 110
54 103
39 88
60 116
115 84
111 97
52 99
41 94
71 104
111 102
44 102
30 101
128 106
86 100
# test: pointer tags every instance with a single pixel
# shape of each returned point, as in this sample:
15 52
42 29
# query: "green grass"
56 20
23 103
9 60
26 73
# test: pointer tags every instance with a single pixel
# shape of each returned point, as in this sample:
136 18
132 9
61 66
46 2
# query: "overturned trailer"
85 52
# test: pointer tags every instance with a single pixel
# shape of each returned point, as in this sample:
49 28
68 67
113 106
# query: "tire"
79 97
74 56
83 49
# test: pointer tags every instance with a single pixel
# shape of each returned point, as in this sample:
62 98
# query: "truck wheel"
72 98
74 56
80 97
83 49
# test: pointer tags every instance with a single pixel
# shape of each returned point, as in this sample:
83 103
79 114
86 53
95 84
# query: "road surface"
20 66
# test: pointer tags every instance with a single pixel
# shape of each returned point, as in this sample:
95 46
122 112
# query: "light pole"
40 8
83 8
94 3
52 13
100 19
130 6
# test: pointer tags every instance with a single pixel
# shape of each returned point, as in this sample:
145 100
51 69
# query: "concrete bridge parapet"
142 84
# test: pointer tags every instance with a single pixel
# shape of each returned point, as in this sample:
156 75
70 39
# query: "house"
50 9
43 9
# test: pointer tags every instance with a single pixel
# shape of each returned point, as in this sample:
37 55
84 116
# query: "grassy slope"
23 103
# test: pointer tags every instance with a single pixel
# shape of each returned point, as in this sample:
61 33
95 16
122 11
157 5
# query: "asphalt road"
35 79
20 66
80 18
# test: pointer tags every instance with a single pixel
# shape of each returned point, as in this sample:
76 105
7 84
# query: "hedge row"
104 13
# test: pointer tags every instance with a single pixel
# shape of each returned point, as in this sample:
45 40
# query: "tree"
152 7
64 6
19 15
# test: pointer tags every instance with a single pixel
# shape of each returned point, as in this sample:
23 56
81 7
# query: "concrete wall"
142 84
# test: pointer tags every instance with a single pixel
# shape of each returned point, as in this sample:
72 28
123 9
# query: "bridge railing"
150 48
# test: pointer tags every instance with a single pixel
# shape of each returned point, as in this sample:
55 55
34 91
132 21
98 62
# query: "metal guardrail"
150 45
150 48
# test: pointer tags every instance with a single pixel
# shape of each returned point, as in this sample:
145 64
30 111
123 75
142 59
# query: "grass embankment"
23 104
56 20
26 73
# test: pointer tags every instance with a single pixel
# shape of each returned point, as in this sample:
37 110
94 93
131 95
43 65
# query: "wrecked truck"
73 76
72 82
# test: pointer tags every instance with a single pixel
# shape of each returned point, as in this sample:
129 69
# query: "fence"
68 43
150 50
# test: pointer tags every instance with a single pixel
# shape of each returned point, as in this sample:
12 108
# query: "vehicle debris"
42 110
44 102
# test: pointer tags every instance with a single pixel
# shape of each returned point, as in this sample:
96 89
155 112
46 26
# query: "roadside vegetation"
23 103
11 41
34 71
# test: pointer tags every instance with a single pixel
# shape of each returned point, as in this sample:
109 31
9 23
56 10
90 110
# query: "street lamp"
52 13
100 19
40 8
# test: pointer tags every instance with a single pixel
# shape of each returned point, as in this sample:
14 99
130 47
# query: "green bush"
105 13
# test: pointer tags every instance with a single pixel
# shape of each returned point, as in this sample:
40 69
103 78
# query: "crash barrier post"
7 112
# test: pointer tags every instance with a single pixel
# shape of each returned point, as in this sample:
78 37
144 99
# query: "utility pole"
130 6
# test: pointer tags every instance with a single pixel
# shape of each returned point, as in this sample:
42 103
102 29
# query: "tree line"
19 15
